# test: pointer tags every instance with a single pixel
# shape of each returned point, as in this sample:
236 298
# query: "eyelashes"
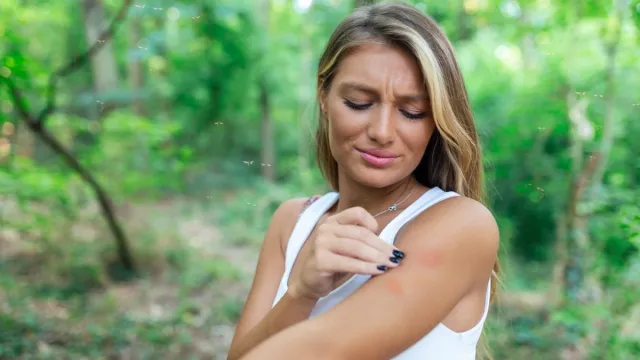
413 116
362 107
355 106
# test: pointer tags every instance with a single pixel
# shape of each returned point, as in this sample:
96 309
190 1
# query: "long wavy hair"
453 159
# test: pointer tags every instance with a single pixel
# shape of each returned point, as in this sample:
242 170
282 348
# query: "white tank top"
442 342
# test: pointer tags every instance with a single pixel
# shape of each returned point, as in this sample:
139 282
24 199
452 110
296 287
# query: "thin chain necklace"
394 206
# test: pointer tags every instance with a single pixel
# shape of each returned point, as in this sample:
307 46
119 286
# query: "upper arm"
448 250
270 266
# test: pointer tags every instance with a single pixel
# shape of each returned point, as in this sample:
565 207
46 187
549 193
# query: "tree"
103 62
38 125
360 3
267 151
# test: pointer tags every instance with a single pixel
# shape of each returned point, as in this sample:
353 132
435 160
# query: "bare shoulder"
290 207
459 223
462 211
286 216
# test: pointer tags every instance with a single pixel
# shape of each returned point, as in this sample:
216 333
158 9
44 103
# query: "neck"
374 200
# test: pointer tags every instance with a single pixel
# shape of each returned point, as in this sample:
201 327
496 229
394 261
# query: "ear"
322 99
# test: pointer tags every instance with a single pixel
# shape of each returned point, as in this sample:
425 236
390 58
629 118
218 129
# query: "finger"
355 216
358 249
366 236
331 262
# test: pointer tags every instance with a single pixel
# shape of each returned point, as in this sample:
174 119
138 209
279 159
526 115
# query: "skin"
450 248
258 320
392 84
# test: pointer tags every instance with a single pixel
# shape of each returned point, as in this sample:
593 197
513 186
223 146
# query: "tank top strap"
425 201
313 209
306 204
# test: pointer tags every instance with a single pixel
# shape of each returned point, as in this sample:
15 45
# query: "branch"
37 125
79 60
103 199
21 105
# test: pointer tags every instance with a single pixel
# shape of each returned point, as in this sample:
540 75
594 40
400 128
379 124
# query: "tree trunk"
267 156
464 29
166 104
557 286
591 174
268 147
136 80
103 62
528 44
359 3
582 283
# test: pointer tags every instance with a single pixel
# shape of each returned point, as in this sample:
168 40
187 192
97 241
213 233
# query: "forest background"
144 146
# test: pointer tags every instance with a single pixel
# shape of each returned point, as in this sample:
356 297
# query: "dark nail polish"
395 260
398 254
382 268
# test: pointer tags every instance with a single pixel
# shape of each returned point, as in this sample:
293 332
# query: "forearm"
289 311
302 341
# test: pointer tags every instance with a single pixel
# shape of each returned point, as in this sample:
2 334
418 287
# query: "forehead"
381 66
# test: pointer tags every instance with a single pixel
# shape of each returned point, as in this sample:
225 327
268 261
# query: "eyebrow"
371 91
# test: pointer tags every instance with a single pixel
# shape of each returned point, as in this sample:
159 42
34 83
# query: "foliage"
185 170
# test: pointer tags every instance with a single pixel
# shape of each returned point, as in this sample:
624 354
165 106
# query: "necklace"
394 206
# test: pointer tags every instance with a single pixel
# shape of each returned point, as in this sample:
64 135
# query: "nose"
382 127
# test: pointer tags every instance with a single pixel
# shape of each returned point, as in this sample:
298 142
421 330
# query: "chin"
374 178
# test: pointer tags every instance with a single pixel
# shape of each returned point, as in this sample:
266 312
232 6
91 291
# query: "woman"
397 261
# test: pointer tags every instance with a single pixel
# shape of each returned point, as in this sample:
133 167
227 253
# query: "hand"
345 244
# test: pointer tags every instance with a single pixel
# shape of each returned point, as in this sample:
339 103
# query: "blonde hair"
452 160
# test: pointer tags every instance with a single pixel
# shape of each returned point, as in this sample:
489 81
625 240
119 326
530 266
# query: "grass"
58 300
66 306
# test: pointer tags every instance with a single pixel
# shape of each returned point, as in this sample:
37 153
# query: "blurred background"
137 180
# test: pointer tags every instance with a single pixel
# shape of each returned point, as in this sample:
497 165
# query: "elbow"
237 350
307 340
232 354
290 345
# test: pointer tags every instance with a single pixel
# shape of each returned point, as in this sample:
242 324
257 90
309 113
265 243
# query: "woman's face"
378 113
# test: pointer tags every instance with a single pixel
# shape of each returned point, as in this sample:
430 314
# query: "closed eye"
411 115
407 114
356 106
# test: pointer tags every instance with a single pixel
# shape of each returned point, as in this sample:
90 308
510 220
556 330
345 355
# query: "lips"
377 157
379 153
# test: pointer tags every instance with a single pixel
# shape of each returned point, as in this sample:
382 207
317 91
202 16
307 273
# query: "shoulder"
459 223
461 211
291 207
286 216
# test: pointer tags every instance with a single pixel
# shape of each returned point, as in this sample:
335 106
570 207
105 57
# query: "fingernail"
395 260
382 267
398 254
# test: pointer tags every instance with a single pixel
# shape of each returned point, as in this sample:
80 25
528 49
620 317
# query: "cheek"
417 136
343 125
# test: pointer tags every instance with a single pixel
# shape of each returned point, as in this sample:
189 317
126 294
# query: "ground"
195 269
192 286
